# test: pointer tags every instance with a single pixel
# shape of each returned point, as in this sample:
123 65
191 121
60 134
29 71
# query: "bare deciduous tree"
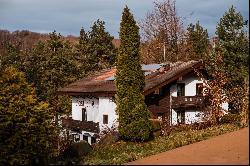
214 87
162 33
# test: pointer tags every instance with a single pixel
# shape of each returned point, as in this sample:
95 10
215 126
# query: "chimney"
164 68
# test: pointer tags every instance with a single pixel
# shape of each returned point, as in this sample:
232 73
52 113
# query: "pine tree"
83 39
13 56
101 49
85 59
27 132
234 45
197 38
81 53
83 44
51 65
133 119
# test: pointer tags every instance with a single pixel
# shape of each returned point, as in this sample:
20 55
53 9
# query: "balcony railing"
80 125
189 101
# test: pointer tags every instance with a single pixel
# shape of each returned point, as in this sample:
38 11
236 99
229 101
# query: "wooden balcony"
189 102
80 125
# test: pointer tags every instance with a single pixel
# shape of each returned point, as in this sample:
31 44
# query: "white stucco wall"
91 105
96 108
107 107
190 81
191 116
190 85
173 117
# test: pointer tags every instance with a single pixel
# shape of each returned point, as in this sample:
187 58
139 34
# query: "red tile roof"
97 83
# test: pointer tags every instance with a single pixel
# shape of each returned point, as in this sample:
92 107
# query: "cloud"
210 12
68 16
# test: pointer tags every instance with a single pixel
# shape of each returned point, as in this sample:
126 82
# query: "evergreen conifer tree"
197 37
101 49
83 44
233 43
49 66
27 132
83 39
133 114
82 53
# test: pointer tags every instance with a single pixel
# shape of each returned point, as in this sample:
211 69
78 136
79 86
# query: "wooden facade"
159 103
80 125
187 102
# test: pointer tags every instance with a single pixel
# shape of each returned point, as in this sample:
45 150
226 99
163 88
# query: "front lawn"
122 152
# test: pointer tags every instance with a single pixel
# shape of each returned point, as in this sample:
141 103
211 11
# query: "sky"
68 16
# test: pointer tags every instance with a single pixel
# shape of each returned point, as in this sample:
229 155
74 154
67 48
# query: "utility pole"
164 52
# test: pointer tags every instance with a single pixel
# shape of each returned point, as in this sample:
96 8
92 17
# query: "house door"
181 117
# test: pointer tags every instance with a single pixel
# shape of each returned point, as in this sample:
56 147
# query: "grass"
122 152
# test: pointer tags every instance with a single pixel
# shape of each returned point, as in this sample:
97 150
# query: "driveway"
227 149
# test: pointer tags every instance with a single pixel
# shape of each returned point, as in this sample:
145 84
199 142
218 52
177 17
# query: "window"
93 140
76 137
181 117
105 119
84 114
199 89
180 89
85 138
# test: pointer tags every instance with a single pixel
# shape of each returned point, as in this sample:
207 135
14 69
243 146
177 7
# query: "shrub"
156 127
193 126
182 127
109 139
156 124
157 133
75 151
230 118
201 125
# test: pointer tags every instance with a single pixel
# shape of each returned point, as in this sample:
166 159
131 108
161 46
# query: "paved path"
227 149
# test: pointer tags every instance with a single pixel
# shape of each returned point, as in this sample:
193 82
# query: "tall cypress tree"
133 119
